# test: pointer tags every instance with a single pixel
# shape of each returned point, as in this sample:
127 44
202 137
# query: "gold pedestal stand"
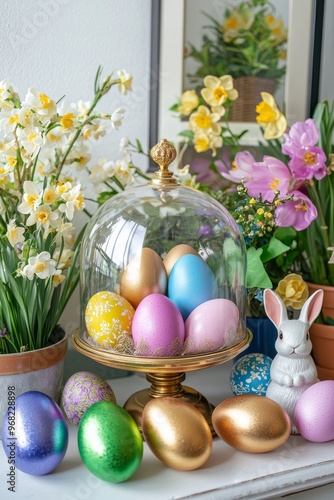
164 374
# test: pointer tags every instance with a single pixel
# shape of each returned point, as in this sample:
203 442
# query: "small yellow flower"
217 90
189 101
293 291
252 201
260 211
270 118
204 120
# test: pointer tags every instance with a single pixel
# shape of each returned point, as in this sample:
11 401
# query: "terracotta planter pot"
328 303
322 338
39 370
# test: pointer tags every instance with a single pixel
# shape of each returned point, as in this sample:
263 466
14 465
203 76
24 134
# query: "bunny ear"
312 307
274 306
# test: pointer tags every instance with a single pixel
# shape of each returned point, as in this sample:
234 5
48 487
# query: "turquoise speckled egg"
251 374
109 442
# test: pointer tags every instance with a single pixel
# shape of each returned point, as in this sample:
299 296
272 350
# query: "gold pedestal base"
167 384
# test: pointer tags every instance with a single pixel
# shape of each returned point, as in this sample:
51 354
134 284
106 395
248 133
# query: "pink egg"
314 412
157 327
211 326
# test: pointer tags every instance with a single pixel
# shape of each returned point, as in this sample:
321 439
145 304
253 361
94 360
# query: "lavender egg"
35 433
81 391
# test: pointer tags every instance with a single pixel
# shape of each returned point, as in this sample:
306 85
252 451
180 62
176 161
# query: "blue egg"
190 283
35 433
251 374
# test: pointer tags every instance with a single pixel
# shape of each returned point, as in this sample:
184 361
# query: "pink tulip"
301 135
298 213
268 177
308 163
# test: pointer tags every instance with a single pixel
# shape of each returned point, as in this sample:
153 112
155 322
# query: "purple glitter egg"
34 433
81 391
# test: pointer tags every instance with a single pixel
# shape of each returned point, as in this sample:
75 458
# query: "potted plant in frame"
249 44
42 142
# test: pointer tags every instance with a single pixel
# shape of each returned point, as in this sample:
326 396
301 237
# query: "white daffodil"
14 233
83 107
65 234
50 197
42 265
68 113
117 117
125 81
58 278
32 197
123 172
27 116
64 259
94 130
6 90
31 139
43 216
97 172
74 200
43 105
63 187
9 120
109 168
124 149
6 174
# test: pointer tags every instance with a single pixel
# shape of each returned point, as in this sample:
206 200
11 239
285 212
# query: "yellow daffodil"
203 142
204 120
237 22
217 90
270 118
189 101
293 291
277 28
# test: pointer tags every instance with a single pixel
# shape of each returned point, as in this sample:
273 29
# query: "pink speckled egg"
157 327
211 326
81 391
314 412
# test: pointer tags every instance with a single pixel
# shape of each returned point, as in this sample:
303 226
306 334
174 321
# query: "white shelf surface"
296 466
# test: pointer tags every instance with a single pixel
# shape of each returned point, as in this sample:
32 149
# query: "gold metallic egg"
175 253
177 433
251 423
144 274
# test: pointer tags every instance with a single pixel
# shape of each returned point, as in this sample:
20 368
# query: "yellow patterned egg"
108 319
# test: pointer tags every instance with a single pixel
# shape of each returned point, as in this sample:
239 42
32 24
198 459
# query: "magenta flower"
269 176
298 213
301 135
309 162
243 168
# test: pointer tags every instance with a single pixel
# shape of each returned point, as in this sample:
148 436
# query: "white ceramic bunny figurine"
292 370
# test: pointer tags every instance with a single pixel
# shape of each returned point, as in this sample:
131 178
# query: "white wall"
57 46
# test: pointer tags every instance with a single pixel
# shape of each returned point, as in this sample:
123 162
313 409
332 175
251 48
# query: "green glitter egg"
109 442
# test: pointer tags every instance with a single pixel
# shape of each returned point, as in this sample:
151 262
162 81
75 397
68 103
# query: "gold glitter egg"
108 318
177 433
144 274
251 423
175 253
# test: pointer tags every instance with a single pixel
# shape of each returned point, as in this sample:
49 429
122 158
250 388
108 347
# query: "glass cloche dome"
163 271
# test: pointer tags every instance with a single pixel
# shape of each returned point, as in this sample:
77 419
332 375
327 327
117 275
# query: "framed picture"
172 45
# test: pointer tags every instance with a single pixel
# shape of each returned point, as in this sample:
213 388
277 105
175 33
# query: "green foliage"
250 48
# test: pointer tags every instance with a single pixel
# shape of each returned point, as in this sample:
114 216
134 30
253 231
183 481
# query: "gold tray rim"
160 364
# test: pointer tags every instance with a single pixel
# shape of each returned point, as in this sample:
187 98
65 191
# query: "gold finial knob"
163 154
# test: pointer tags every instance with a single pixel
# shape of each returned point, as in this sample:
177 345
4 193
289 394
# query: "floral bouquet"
249 41
40 140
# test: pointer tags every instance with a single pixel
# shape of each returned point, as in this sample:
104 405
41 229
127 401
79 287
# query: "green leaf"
286 235
257 276
273 249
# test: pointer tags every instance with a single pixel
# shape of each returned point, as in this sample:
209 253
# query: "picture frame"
171 71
